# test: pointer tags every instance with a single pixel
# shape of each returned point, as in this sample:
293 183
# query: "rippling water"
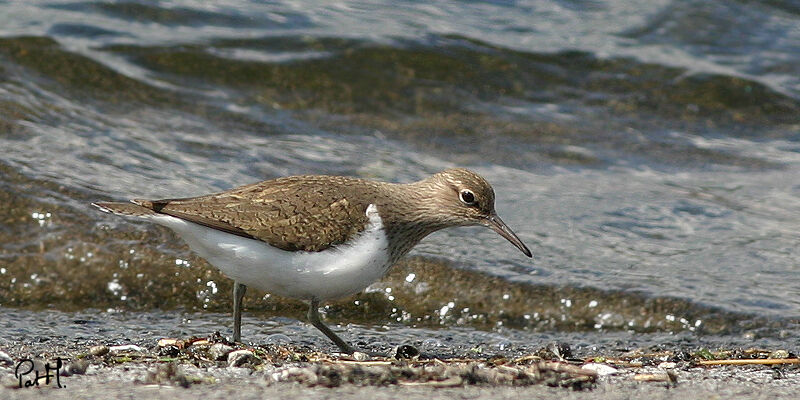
647 153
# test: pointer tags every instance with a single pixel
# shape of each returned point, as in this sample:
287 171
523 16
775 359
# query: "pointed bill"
500 227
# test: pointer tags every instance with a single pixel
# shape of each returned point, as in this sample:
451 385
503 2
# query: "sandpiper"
317 237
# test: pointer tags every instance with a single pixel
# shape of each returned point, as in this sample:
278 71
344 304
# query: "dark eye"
467 197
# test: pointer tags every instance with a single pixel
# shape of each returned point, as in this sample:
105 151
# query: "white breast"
336 272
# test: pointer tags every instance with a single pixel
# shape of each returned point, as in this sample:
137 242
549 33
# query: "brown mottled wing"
309 213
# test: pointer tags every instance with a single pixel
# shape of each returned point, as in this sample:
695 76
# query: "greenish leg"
238 293
313 317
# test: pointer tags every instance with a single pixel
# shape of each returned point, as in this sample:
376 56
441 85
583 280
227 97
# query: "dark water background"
647 152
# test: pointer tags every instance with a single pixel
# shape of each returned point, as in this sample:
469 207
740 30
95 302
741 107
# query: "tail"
128 209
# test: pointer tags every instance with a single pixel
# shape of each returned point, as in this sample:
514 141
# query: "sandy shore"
212 368
119 383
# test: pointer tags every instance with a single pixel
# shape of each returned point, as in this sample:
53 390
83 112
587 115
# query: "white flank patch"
328 274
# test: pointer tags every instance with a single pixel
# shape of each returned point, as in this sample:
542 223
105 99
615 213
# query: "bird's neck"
412 216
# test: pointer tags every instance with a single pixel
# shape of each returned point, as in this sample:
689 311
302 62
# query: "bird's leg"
238 293
313 317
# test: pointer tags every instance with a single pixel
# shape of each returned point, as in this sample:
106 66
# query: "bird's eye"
467 197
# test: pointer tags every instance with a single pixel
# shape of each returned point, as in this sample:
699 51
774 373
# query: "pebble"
74 368
99 350
167 342
779 354
6 359
219 351
124 348
240 357
601 369
169 351
405 351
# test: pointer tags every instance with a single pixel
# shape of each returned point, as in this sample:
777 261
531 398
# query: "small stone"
240 357
125 348
405 351
99 350
667 365
601 369
560 350
219 351
169 351
5 359
779 354
167 342
74 368
359 356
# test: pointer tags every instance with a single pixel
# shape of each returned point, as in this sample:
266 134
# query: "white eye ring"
467 197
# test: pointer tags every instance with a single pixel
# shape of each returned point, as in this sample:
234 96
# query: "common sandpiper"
316 237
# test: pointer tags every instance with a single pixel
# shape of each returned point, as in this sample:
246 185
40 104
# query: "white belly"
336 272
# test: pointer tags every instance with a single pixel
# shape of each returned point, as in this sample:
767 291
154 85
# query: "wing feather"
303 213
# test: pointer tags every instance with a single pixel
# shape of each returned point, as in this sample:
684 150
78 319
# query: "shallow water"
647 154
49 332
